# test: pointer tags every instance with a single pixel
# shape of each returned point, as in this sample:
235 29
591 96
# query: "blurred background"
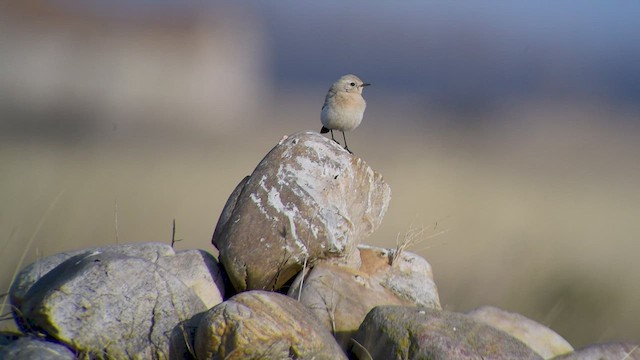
508 131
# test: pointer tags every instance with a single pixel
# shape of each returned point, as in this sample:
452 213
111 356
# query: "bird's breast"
343 111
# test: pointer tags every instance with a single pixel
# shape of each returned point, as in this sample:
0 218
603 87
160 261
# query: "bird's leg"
345 143
332 138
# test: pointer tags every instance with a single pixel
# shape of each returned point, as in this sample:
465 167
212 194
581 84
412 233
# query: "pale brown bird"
343 106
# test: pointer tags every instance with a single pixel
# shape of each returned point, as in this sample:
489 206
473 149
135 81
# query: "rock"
32 273
341 296
110 305
308 199
29 348
409 276
182 346
613 351
263 325
395 332
196 268
544 341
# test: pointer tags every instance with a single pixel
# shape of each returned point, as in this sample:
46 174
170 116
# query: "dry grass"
413 236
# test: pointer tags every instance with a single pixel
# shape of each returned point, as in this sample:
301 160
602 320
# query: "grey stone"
544 341
108 305
33 272
196 268
396 332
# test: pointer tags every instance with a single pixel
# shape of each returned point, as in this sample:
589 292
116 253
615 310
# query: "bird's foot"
346 148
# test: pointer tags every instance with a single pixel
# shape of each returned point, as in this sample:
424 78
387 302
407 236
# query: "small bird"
343 107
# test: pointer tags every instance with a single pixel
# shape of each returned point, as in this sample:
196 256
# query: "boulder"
196 268
544 341
109 305
308 199
33 272
263 325
397 332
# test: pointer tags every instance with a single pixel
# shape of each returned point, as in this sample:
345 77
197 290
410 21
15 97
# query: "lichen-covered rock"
196 268
308 199
544 341
341 296
608 351
30 348
396 332
33 272
109 305
263 325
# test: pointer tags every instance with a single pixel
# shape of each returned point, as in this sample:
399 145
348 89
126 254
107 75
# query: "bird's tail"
324 130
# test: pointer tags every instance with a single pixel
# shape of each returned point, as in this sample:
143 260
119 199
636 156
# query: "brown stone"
263 325
308 199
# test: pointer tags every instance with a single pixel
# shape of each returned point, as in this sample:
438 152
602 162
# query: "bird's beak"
365 84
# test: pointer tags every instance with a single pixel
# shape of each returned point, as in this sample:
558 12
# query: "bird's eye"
353 84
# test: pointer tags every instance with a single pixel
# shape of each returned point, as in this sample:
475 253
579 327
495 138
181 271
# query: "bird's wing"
330 94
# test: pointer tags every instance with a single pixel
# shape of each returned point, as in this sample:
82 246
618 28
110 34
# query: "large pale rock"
308 199
263 325
196 268
544 341
341 296
395 332
110 305
609 351
33 272
31 348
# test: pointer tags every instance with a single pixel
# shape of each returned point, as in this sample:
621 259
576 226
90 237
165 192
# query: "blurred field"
540 214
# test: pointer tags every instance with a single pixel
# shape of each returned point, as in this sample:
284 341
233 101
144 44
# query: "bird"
343 107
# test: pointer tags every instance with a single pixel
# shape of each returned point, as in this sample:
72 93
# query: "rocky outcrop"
307 200
263 325
307 206
544 341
